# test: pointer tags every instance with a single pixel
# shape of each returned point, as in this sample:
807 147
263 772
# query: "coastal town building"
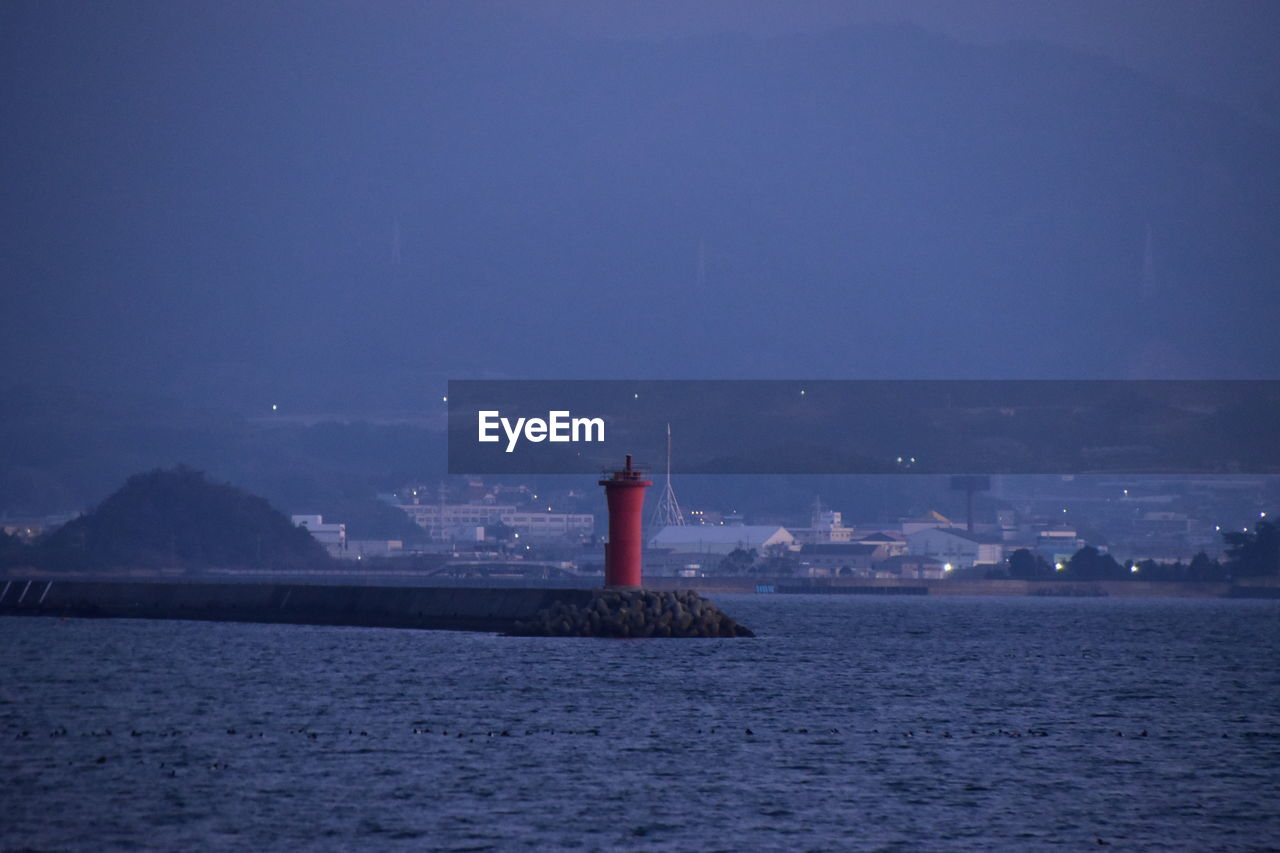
910 566
1056 545
836 559
926 521
696 539
332 536
459 521
955 546
825 526
887 544
364 549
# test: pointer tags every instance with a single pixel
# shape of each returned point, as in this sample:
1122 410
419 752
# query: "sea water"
847 723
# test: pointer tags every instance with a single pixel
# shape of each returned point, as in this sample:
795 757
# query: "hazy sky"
347 203
1219 48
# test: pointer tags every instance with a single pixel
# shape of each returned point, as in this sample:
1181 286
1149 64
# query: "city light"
947 567
274 407
1059 567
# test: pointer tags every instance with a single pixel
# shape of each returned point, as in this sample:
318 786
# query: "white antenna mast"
667 512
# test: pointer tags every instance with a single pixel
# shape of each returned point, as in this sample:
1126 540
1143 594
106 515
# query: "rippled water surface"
849 723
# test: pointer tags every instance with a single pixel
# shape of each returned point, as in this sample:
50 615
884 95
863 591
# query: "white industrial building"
825 526
551 525
459 521
887 544
698 539
332 536
442 521
956 546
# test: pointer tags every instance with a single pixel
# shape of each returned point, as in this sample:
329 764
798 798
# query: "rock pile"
634 613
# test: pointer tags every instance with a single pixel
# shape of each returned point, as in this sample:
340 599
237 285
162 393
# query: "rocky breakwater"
633 613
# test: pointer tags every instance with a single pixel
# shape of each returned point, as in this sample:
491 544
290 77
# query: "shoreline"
1268 587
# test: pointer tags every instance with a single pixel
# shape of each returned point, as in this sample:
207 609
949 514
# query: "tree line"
1248 554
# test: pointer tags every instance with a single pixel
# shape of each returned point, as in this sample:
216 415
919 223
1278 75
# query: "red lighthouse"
625 493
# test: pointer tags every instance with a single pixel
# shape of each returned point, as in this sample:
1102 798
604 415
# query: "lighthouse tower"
624 492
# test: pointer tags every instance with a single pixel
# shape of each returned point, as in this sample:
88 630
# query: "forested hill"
176 518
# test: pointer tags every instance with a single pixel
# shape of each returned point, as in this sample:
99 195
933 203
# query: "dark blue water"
849 723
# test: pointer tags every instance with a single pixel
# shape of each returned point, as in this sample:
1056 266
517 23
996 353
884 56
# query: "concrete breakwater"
508 610
634 613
